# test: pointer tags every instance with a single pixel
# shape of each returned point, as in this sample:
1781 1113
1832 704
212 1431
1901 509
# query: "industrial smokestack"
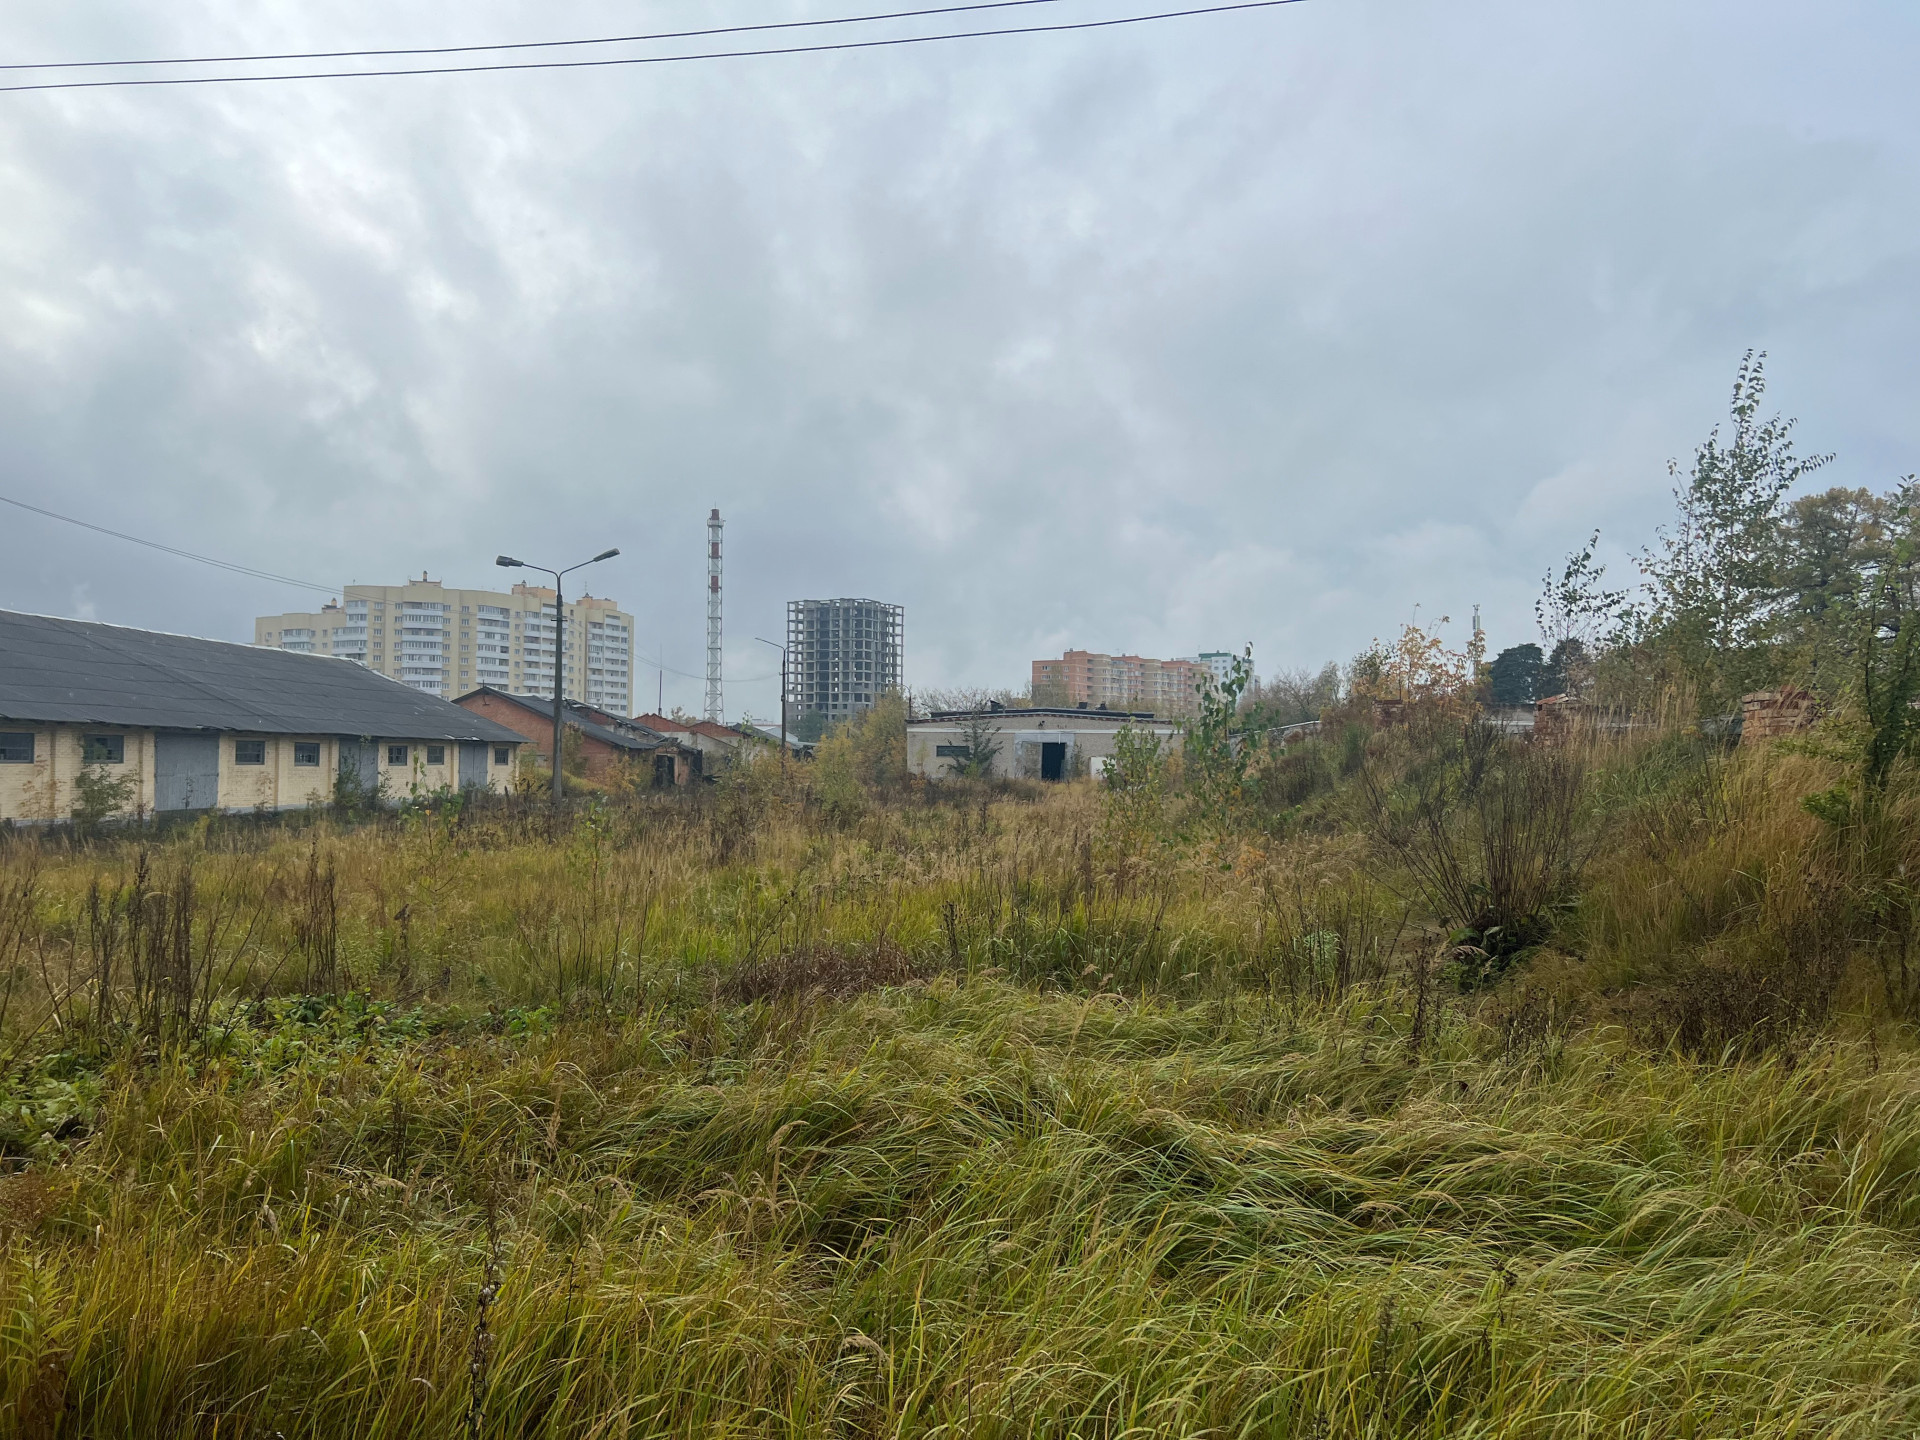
714 703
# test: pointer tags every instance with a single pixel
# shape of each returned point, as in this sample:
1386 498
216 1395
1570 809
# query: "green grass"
966 1208
1095 1161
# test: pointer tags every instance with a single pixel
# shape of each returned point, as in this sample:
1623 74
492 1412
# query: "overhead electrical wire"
174 550
643 662
523 44
606 62
280 579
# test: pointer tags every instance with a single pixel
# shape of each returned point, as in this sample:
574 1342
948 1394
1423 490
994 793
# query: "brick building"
609 745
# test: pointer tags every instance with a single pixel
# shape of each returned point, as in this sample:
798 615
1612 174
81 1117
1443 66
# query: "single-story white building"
1038 744
193 724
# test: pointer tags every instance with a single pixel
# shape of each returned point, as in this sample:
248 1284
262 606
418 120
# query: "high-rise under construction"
842 655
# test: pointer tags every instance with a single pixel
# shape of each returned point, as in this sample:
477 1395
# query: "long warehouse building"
179 724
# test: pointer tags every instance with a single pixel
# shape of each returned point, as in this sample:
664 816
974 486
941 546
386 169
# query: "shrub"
99 795
1488 830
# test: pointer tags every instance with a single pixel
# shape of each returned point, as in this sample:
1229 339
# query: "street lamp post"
783 697
559 654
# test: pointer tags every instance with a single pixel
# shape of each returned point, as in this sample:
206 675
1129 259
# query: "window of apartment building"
436 754
104 750
502 754
306 752
249 752
396 754
16 747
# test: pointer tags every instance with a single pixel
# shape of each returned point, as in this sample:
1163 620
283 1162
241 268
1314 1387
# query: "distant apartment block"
446 642
1125 682
842 655
1219 664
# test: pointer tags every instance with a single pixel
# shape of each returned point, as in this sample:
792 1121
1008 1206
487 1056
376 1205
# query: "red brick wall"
1767 714
599 756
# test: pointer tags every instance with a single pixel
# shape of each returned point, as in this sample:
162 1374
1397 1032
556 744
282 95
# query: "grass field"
973 1114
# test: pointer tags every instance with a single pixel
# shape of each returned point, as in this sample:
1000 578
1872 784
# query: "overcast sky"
1261 327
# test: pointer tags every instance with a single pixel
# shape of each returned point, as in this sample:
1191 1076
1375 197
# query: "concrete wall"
44 790
1019 736
716 742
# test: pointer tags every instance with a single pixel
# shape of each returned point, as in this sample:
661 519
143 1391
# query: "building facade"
1122 682
176 724
613 749
717 742
1037 744
445 642
1218 663
842 655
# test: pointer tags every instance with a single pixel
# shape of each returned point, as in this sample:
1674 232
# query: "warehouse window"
249 752
104 750
436 754
16 747
306 752
396 754
502 754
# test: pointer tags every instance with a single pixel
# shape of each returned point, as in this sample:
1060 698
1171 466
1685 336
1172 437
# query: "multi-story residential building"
1218 663
447 642
1121 682
842 655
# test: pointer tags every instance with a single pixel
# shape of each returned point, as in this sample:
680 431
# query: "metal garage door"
186 772
473 765
360 764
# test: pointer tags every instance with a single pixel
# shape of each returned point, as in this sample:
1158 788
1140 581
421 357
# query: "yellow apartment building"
447 642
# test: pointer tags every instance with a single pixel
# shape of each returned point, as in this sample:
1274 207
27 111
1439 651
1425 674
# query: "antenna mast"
714 527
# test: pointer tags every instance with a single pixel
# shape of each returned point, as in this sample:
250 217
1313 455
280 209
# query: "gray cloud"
1252 328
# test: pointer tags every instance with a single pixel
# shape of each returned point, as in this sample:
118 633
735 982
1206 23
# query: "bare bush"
1487 828
1331 938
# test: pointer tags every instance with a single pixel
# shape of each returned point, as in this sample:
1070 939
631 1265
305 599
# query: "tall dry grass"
940 1117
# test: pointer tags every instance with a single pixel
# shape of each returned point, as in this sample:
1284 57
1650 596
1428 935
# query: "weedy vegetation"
1406 1078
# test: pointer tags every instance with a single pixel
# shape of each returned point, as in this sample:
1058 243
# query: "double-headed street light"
559 653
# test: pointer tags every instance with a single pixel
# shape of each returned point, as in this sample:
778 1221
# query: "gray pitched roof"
78 672
627 737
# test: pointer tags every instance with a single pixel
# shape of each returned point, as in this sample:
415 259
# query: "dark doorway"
663 772
1053 759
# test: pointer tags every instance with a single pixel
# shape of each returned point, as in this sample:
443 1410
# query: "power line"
284 579
525 44
653 59
685 675
172 550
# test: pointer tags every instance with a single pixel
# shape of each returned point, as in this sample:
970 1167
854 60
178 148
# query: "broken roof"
666 724
623 737
83 673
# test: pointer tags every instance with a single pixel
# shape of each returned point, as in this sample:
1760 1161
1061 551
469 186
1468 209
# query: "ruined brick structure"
1768 714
